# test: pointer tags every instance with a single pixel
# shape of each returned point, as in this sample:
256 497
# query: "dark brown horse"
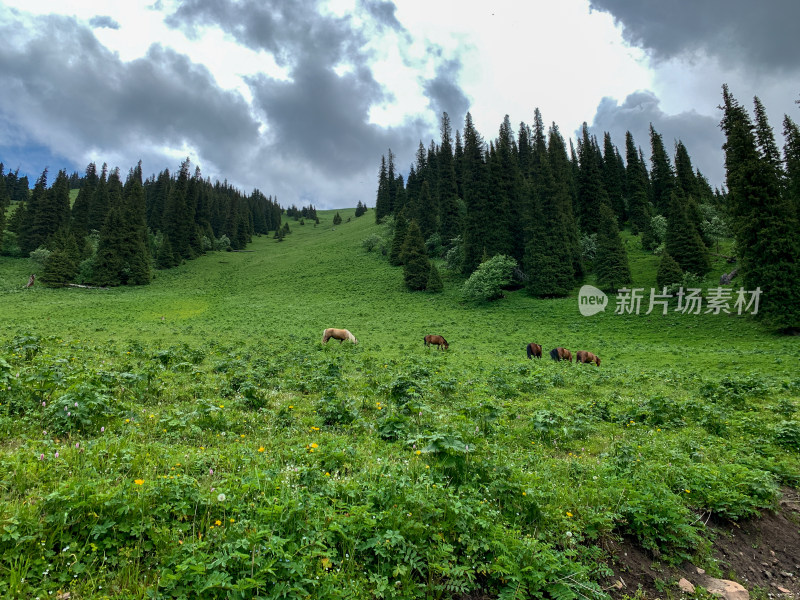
561 354
436 340
582 356
534 350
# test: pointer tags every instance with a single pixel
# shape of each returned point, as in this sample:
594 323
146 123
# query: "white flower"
221 497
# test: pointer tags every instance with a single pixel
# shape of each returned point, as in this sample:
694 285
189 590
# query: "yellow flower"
419 452
241 435
261 449
138 481
314 445
524 493
127 420
569 514
222 406
327 474
233 520
291 406
687 491
217 522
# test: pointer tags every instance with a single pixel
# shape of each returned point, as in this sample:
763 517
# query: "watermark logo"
591 300
688 302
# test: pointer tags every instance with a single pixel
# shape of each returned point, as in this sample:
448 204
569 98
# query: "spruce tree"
763 219
434 283
611 259
449 215
636 183
100 202
669 272
416 266
613 177
591 192
662 176
61 266
176 220
382 201
80 210
564 198
337 219
32 230
683 242
791 156
478 218
399 237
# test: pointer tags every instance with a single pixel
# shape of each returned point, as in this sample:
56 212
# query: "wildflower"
138 481
222 406
211 471
102 429
56 454
41 457
314 445
221 497
217 522
76 405
127 420
419 452
687 491
524 493
233 520
327 474
569 514
261 449
291 406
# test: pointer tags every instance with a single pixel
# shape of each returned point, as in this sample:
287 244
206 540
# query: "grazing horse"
534 350
436 340
582 356
561 354
338 334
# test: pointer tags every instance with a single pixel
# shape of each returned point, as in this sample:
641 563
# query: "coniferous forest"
117 232
557 210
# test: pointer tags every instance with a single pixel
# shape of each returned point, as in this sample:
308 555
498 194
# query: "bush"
487 281
372 242
39 256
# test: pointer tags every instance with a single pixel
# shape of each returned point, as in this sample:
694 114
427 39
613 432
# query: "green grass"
378 470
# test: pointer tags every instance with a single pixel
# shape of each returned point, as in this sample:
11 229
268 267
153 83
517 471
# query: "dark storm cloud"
760 35
103 21
70 93
383 13
443 92
320 115
699 133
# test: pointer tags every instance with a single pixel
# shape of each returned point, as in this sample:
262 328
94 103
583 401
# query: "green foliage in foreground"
194 438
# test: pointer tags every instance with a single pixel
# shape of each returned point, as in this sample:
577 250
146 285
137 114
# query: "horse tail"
554 354
529 350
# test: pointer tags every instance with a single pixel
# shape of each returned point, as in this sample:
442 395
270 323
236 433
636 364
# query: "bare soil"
763 554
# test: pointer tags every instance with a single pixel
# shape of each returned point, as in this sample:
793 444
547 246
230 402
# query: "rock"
783 590
685 586
786 574
618 584
701 571
728 590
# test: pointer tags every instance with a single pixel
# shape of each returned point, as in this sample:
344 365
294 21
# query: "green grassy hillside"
195 437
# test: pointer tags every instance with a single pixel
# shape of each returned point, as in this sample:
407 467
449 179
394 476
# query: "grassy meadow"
193 438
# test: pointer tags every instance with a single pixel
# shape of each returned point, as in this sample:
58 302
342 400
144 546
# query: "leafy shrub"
487 281
83 407
39 257
336 411
787 434
373 241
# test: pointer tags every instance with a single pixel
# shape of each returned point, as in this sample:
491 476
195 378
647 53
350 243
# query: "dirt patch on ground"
759 553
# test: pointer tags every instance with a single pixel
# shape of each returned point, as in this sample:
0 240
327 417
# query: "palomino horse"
582 356
338 334
436 340
534 350
561 354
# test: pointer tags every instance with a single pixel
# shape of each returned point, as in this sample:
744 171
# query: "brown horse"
436 340
338 334
582 356
561 354
534 350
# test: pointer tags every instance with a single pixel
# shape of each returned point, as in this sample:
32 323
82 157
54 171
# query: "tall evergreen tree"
636 185
100 201
434 284
683 241
564 197
416 266
80 210
449 215
763 219
611 259
662 176
669 272
791 156
33 229
478 216
613 177
176 220
399 237
591 192
383 199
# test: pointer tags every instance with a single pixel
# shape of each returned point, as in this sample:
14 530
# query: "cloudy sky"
300 98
